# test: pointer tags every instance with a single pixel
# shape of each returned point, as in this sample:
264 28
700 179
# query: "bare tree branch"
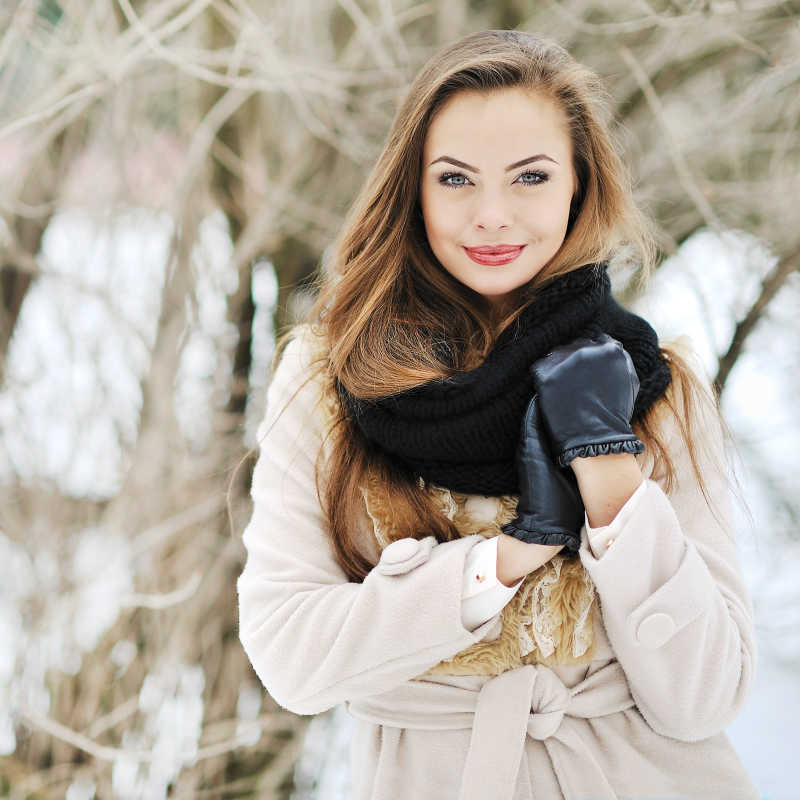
678 161
769 288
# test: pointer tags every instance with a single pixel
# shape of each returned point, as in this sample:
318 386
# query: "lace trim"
539 627
536 537
632 446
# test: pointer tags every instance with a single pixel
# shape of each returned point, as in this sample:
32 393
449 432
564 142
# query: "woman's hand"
550 510
606 484
586 393
587 390
516 558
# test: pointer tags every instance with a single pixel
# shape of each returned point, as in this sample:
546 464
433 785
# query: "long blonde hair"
384 301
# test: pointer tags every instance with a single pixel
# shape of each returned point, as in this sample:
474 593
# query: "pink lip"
496 254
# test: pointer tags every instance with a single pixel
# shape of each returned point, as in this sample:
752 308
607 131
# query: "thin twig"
78 740
658 20
92 92
113 718
684 175
158 602
105 753
769 288
194 515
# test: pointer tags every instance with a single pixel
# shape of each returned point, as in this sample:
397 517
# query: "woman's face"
497 173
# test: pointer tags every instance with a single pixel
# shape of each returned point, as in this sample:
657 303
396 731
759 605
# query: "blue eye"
539 177
453 180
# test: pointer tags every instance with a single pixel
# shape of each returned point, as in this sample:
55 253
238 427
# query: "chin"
495 291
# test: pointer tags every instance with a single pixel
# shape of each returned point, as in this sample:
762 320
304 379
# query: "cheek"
550 216
441 223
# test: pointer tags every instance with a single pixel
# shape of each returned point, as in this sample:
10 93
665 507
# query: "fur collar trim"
551 618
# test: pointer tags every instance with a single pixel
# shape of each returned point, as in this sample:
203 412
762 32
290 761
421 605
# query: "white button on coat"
655 630
400 550
405 554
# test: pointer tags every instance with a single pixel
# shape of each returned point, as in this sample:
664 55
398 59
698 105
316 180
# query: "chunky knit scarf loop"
462 432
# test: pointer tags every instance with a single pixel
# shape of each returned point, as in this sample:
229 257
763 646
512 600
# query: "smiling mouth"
493 255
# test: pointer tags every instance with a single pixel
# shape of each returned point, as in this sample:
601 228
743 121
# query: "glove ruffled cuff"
632 446
570 541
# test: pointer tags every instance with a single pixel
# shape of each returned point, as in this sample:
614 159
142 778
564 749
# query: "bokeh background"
171 174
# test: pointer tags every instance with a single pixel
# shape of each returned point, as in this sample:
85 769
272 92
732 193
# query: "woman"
490 511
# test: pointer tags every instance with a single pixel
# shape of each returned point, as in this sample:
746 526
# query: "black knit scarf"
462 433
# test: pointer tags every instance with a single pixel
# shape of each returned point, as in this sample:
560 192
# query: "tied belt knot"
549 702
527 701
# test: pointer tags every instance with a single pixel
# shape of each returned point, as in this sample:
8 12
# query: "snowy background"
157 158
71 403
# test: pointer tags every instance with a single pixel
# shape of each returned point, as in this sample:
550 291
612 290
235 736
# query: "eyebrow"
457 163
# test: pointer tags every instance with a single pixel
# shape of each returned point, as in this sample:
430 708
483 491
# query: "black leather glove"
586 393
550 509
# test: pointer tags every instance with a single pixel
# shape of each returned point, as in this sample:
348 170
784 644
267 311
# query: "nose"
492 212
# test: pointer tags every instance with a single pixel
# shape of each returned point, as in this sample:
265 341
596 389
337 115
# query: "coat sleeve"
482 593
673 600
314 638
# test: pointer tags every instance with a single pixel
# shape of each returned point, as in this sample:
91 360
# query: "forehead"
496 122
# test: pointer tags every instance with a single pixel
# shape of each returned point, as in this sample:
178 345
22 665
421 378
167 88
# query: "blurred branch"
769 288
29 784
106 753
202 139
158 533
158 602
369 34
679 162
90 92
682 20
121 712
99 751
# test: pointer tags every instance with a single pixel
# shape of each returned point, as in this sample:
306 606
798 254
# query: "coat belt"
527 701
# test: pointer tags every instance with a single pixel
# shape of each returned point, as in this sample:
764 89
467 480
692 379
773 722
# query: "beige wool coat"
445 712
